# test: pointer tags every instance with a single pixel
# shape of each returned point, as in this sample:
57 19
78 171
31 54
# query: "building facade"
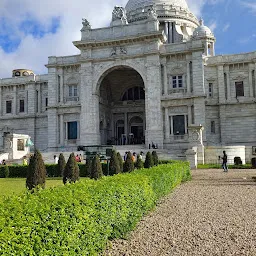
143 80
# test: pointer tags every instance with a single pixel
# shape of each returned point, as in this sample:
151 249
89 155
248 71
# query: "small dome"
202 31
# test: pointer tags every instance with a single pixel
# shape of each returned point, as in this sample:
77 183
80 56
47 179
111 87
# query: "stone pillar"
198 74
189 115
167 124
172 125
39 100
31 95
166 31
191 156
221 84
126 125
228 83
154 116
15 101
251 68
61 118
90 123
0 101
62 86
52 129
165 77
199 113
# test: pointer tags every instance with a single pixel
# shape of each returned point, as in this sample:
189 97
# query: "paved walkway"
215 214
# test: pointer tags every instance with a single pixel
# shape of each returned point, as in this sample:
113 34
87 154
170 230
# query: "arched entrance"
122 107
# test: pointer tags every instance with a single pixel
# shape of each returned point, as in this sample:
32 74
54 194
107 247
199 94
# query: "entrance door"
138 134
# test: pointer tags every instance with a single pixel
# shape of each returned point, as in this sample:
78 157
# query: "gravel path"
214 214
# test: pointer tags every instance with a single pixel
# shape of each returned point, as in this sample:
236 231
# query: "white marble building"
146 78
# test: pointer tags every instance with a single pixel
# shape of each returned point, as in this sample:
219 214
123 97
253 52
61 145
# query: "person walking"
56 159
224 161
25 161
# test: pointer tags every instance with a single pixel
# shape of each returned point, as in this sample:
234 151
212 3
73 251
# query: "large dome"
134 4
167 10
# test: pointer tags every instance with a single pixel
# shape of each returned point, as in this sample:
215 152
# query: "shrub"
254 162
71 171
96 169
4 171
139 163
121 162
155 158
61 165
80 218
114 164
36 171
128 164
237 160
148 161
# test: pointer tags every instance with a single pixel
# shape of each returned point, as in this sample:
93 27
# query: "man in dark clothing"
224 161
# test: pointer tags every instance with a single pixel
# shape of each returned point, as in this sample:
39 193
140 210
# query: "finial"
201 22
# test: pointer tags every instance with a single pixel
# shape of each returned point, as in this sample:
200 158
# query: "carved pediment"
239 77
211 79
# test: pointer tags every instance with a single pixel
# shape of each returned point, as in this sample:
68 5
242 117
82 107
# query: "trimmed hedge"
78 219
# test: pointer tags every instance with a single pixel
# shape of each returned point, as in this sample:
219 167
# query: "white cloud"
226 27
249 5
32 52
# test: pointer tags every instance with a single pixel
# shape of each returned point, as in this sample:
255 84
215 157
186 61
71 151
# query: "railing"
178 90
71 99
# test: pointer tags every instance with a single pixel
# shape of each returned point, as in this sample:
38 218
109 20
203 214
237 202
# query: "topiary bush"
114 164
36 175
238 161
139 163
96 168
71 171
61 165
149 160
128 164
254 162
155 158
121 162
4 171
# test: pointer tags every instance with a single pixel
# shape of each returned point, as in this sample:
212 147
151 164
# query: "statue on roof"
119 13
86 24
152 15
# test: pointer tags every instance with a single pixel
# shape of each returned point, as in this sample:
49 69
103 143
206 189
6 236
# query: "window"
22 106
212 126
72 90
239 89
8 106
20 145
46 102
134 93
72 130
210 90
177 82
179 125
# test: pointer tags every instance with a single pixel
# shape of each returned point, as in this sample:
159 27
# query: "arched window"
134 93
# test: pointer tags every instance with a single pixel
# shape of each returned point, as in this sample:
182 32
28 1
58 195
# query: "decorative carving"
119 13
113 51
152 15
86 24
123 50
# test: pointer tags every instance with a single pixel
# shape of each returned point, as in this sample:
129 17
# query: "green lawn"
16 186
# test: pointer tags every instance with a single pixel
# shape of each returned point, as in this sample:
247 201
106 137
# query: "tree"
88 167
149 160
71 171
155 158
114 165
96 169
139 163
128 164
61 165
121 162
36 175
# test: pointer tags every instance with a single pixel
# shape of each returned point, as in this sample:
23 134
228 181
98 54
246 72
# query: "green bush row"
219 166
20 171
79 219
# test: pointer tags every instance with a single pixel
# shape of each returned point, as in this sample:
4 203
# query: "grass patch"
219 166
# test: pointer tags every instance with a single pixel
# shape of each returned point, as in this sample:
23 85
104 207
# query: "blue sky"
36 29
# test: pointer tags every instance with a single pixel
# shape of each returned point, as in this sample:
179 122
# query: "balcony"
71 99
178 90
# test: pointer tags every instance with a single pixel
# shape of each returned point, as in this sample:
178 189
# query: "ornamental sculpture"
152 15
119 13
86 24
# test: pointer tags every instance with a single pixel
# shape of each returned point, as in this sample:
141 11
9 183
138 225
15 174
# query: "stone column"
126 125
188 78
172 132
61 129
167 124
90 124
199 113
189 115
15 101
251 67
154 116
166 31
62 86
221 84
52 129
31 96
165 77
39 100
228 83
0 101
